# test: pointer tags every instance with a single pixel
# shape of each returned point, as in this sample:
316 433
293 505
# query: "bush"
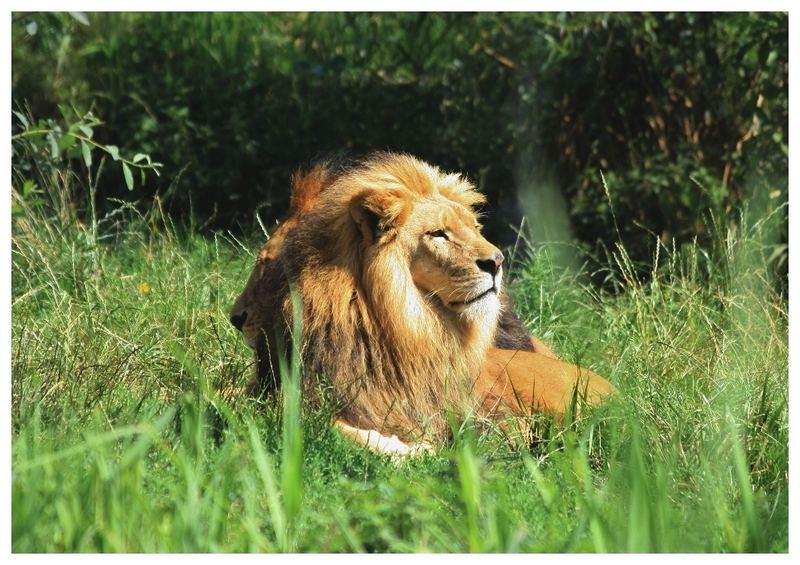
683 112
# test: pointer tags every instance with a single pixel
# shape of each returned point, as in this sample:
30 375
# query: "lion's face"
435 243
450 261
245 313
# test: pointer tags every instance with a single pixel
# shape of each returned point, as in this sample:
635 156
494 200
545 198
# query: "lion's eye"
438 233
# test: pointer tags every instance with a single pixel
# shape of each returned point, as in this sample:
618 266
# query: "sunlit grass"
122 440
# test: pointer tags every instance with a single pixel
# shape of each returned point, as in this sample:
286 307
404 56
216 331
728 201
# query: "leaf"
66 142
53 145
126 170
80 17
113 150
87 154
138 157
23 120
31 27
87 130
771 58
750 58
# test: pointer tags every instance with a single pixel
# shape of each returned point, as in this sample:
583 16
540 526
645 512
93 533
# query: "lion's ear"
376 212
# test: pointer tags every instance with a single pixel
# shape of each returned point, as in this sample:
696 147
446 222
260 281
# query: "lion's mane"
393 361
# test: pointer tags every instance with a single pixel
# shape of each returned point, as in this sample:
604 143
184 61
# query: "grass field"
121 441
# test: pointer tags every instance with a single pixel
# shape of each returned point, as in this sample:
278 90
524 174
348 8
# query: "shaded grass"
123 442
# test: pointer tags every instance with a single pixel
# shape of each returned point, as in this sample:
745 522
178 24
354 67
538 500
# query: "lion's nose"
491 265
238 320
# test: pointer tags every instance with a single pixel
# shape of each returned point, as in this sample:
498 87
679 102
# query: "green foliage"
682 112
44 150
695 117
126 439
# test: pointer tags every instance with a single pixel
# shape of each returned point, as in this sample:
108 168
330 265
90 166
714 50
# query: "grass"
123 443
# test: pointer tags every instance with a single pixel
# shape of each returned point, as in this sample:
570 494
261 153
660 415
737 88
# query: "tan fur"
523 382
306 188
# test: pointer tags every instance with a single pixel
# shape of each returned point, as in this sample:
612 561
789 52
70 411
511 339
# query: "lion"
403 307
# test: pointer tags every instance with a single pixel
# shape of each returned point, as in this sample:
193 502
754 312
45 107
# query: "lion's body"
524 382
392 273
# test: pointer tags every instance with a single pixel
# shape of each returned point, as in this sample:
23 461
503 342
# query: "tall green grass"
125 440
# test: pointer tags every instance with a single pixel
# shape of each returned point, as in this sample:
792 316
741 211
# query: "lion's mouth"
474 299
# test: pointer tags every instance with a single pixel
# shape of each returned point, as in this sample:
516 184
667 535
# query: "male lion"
402 304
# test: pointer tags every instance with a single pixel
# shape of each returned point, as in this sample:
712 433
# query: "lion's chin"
482 309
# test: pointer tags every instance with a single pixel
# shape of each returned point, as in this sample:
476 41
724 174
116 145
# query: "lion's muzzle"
491 264
238 319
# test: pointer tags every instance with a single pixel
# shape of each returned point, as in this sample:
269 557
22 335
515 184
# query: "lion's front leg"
379 443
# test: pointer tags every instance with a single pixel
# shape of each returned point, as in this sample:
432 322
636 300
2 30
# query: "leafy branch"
81 131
